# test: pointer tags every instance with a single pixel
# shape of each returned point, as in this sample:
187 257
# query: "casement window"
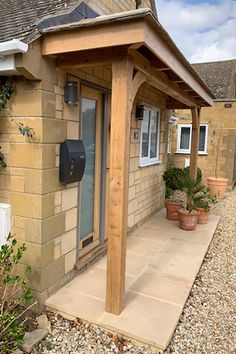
185 136
150 136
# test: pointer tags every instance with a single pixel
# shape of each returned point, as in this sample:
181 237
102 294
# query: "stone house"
116 57
218 125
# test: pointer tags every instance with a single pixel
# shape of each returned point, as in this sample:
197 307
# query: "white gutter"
12 47
7 57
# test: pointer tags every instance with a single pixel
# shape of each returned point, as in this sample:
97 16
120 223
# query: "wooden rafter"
160 80
164 52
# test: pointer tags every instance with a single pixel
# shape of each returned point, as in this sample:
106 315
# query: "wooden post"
195 142
121 104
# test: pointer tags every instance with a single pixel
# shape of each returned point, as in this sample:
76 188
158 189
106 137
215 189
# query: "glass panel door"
88 135
89 196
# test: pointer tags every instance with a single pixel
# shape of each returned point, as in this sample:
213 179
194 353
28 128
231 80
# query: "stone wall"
221 130
44 211
114 6
146 188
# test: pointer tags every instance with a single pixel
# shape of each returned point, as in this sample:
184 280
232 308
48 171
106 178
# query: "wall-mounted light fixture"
139 112
71 93
173 120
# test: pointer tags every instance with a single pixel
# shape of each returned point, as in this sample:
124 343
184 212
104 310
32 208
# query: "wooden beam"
87 58
163 51
176 105
159 80
194 142
121 104
94 37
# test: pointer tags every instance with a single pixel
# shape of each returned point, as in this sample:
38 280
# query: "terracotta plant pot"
217 186
172 210
202 216
188 220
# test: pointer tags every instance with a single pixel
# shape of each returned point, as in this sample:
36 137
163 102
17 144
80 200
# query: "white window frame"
147 161
187 151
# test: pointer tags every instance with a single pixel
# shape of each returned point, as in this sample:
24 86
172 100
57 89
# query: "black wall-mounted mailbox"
72 161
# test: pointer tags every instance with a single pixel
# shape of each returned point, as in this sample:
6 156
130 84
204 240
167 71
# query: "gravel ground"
208 322
77 337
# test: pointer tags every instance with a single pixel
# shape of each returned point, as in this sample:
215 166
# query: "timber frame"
138 50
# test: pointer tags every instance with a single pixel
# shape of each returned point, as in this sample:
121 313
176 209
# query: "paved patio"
162 264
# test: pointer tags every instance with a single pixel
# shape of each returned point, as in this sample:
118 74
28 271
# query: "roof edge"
120 16
143 13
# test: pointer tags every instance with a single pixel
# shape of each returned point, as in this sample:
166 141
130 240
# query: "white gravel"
208 322
77 337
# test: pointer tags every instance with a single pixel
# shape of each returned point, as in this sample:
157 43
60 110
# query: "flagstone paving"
162 264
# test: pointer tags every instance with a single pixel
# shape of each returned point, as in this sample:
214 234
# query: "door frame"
101 165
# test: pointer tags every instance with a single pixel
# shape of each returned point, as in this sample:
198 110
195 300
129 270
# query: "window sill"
149 163
188 153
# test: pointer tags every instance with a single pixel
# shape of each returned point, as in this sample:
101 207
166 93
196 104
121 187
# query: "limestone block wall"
114 6
44 211
221 131
146 187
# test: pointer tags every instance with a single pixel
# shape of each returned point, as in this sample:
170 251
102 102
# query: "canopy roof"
141 33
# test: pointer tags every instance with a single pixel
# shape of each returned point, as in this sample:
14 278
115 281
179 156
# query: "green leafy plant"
25 130
2 160
192 188
199 173
204 200
173 175
170 176
15 296
6 90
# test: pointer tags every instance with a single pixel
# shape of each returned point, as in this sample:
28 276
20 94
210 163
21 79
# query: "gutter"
8 50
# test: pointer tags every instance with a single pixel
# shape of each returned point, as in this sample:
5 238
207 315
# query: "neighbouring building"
113 57
217 143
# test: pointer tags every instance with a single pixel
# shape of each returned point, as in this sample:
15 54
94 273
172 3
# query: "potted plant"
175 198
203 202
174 201
217 185
188 216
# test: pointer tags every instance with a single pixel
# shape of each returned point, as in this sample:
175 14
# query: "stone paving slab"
162 264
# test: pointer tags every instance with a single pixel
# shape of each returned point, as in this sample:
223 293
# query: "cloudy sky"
204 30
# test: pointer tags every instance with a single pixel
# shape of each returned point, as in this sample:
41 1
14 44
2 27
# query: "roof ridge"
215 62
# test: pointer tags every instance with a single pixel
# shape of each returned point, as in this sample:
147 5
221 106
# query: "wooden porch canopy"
139 50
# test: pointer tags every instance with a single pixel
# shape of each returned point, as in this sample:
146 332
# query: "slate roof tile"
219 76
18 18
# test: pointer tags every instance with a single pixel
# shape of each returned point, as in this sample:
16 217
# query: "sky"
204 30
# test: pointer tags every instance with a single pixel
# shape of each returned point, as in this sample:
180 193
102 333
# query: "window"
185 137
149 146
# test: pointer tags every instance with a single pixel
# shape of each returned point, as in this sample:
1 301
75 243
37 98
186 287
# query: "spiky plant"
192 188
